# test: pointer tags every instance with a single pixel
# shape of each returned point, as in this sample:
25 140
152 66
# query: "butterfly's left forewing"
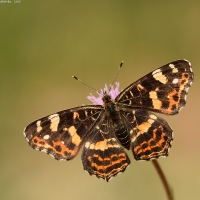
164 90
62 134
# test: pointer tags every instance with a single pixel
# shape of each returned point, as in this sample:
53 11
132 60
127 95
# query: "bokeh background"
43 43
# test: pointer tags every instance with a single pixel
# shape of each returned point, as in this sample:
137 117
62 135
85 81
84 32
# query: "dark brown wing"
164 90
102 154
151 136
62 134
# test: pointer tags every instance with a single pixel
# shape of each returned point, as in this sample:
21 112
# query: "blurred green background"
43 43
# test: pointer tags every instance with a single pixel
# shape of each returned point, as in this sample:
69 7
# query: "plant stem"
163 179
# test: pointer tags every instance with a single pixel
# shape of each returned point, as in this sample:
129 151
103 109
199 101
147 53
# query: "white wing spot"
150 121
172 65
76 115
157 89
53 116
39 128
102 145
153 116
55 119
180 108
175 81
186 89
93 118
44 150
52 156
38 123
172 135
131 93
65 129
160 77
46 137
191 69
140 87
156 71
87 144
185 97
24 132
175 70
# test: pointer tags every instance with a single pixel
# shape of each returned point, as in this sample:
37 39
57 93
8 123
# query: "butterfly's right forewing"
163 90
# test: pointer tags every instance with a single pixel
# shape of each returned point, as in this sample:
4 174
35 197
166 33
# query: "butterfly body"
116 121
127 121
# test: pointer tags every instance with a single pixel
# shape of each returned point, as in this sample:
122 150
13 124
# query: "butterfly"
126 122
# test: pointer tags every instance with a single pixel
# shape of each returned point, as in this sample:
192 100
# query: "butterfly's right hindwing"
151 136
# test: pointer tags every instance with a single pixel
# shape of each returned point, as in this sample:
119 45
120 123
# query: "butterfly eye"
106 98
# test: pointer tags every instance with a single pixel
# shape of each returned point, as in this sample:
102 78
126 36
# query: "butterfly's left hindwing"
164 90
62 134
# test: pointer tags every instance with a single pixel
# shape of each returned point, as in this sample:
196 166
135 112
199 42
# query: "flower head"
113 93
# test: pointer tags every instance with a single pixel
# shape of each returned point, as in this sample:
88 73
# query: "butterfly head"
106 98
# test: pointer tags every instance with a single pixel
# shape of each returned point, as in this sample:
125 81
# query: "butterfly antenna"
76 78
120 66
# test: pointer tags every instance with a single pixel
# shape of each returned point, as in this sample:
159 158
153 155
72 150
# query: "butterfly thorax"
116 121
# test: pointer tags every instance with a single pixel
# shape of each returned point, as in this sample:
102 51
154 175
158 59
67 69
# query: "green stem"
163 179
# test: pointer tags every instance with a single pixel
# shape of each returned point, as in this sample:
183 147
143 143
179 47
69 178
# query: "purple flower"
113 93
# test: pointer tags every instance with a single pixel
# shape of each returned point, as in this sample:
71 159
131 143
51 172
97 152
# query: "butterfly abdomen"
117 123
122 135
